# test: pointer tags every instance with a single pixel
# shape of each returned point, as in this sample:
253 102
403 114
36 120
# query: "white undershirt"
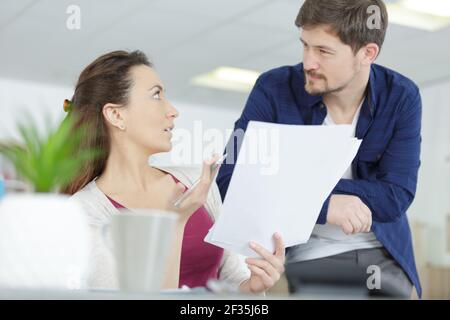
327 240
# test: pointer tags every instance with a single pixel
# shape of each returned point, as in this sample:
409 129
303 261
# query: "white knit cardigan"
102 272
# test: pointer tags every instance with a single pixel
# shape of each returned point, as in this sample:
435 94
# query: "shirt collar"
371 91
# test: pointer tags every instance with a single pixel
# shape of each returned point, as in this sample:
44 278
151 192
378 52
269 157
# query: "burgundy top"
200 261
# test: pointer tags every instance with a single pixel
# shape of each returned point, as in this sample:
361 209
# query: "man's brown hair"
351 20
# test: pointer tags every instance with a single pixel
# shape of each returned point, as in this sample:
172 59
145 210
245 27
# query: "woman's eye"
157 95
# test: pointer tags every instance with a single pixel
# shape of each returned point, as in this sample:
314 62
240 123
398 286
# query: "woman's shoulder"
86 194
94 203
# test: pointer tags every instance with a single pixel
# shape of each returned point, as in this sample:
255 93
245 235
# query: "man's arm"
259 107
391 193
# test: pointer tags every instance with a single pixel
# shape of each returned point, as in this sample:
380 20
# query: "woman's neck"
127 170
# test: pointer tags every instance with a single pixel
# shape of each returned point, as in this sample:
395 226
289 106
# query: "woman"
120 99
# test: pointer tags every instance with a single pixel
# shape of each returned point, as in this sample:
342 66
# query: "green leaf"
51 161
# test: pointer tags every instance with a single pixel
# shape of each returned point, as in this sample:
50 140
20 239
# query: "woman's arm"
191 204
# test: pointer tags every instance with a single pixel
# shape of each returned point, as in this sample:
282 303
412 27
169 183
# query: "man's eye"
324 52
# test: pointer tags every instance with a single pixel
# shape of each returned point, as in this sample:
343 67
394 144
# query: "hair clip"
67 105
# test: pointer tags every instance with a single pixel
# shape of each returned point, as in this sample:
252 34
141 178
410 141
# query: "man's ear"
114 115
369 53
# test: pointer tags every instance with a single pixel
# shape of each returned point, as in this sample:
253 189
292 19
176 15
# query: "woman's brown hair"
105 80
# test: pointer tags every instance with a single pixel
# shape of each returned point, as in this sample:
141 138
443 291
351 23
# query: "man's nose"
310 62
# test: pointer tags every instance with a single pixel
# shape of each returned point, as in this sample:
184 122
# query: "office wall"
20 98
432 203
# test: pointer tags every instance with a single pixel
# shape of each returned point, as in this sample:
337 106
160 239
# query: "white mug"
141 240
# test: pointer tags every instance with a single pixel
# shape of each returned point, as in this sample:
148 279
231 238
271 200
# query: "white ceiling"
185 38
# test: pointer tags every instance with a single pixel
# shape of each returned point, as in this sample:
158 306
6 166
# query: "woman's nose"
173 113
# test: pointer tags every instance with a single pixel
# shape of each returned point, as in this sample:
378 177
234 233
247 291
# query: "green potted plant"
44 238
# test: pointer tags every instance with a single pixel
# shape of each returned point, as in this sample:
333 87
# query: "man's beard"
326 90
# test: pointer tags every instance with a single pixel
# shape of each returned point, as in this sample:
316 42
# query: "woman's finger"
265 278
267 255
267 267
280 249
199 190
206 176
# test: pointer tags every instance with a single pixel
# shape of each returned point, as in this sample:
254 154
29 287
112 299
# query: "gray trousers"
364 273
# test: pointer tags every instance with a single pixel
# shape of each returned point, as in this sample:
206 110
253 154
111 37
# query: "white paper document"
282 177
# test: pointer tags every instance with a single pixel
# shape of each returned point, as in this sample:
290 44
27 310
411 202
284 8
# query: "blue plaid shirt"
386 165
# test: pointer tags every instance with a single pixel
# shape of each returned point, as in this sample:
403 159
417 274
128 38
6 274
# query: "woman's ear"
113 114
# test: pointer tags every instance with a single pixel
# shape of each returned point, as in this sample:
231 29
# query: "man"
363 222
